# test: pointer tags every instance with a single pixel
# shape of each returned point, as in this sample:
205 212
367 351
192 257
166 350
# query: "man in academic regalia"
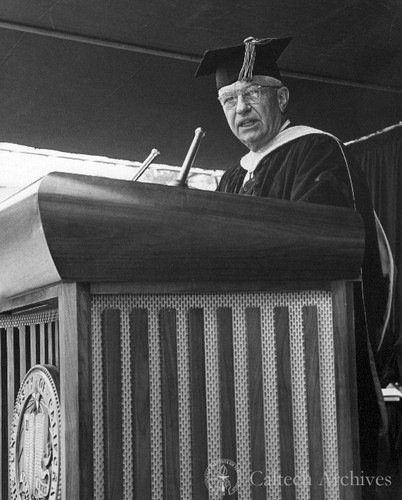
303 164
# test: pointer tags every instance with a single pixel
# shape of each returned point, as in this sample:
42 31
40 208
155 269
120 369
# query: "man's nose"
242 105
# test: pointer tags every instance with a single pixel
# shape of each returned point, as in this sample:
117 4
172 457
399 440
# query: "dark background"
116 78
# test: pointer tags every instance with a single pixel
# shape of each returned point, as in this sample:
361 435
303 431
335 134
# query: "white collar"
250 161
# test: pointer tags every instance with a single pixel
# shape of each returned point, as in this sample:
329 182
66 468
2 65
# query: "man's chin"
248 136
249 139
255 141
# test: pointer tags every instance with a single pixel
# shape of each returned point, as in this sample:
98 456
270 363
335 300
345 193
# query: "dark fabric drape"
380 156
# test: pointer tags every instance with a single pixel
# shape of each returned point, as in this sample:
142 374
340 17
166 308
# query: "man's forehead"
257 79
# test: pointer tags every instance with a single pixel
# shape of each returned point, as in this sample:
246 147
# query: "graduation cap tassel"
246 72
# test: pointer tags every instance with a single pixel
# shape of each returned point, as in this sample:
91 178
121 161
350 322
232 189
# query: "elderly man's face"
255 124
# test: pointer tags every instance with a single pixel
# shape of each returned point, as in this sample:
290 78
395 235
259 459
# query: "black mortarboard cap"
257 56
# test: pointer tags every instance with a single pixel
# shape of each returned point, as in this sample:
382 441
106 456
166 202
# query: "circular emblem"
35 441
221 477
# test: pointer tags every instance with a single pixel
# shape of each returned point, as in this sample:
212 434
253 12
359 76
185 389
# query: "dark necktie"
248 186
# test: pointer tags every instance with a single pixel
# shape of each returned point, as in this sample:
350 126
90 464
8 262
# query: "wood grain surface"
3 416
170 404
227 396
113 404
76 392
286 437
140 366
199 438
92 229
346 387
256 390
313 394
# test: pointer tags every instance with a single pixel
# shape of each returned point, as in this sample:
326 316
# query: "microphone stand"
189 159
154 153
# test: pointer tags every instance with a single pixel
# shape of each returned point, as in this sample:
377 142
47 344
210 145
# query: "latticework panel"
225 386
25 340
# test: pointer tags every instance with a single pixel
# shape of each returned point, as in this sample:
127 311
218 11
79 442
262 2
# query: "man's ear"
283 98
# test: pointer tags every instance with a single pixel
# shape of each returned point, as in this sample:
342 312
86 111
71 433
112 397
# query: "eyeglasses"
251 95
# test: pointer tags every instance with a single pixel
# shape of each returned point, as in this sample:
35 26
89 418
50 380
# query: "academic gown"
315 168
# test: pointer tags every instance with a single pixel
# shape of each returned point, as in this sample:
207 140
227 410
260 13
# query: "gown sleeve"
321 173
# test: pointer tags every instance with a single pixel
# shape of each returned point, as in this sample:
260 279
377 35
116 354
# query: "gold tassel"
246 72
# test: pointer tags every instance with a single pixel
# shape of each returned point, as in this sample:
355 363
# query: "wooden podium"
200 344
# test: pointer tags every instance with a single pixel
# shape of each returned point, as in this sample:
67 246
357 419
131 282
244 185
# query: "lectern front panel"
223 366
220 393
246 395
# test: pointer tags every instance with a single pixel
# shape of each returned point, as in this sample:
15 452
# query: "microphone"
189 159
150 158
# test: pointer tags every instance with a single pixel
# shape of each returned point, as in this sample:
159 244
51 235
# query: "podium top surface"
68 227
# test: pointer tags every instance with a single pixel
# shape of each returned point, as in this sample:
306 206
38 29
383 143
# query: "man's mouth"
247 123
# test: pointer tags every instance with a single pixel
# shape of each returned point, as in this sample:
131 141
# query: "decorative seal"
221 477
35 437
